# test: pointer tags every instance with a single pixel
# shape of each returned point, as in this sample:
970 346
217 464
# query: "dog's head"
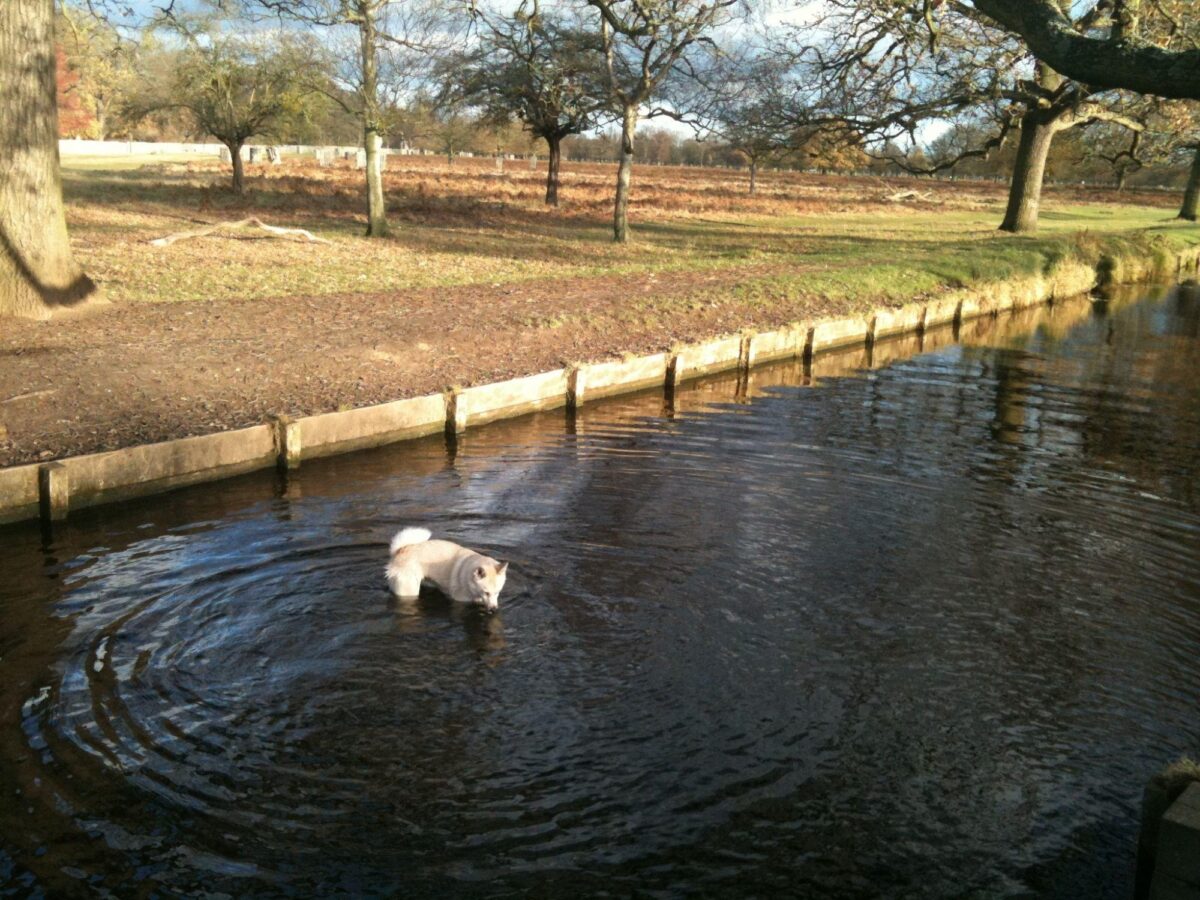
487 582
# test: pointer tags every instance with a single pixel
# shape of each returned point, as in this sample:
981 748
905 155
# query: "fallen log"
275 230
910 195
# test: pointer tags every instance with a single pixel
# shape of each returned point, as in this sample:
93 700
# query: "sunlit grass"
803 237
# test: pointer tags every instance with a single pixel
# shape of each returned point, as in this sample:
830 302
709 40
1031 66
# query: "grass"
824 239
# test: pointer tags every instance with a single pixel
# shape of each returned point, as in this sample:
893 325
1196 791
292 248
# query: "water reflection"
924 629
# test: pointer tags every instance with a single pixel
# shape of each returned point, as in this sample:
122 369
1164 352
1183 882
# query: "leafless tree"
382 52
541 67
233 86
893 68
1113 52
645 42
746 105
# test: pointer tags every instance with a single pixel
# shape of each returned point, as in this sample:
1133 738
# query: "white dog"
465 575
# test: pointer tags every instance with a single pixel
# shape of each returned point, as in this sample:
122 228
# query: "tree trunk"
1029 170
1191 197
377 225
102 104
624 174
753 175
38 272
552 176
239 172
1122 177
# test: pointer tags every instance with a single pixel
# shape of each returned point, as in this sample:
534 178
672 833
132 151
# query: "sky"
775 15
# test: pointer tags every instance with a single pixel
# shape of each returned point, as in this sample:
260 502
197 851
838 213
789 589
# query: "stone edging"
51 489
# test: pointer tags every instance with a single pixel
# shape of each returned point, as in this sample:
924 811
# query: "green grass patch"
861 253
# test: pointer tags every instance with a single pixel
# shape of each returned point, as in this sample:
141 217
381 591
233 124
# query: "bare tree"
745 114
893 69
233 86
644 43
1054 105
542 68
383 50
1113 52
452 128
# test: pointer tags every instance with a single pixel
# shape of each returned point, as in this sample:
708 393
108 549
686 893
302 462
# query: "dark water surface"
922 629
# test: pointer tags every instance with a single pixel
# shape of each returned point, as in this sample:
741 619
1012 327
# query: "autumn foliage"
75 116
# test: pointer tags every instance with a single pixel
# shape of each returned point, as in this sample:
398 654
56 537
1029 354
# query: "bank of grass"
837 242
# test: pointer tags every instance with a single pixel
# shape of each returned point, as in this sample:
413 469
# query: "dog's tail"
409 536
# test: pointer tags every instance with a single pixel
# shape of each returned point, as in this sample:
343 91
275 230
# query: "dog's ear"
480 573
502 568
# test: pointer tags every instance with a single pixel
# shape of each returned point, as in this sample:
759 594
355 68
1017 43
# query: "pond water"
890 624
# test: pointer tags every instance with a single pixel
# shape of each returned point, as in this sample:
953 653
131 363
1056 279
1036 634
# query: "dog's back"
464 574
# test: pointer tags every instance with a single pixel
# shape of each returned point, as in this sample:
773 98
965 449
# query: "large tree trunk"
1191 197
753 175
377 225
624 174
239 171
38 272
552 175
1029 171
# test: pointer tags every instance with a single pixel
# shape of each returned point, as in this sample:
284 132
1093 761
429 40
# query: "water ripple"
922 630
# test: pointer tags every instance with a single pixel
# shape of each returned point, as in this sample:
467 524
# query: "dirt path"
132 374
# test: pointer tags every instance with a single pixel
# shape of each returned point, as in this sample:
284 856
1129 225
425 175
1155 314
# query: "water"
921 629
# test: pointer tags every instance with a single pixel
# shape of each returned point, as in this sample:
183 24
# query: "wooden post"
54 491
746 353
287 443
576 388
674 372
456 412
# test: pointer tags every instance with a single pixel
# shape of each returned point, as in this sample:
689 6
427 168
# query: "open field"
467 224
478 282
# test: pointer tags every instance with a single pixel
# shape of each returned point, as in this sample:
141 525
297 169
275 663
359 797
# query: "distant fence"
78 147
68 147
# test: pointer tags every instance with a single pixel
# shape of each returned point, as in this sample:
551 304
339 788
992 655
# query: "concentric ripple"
918 629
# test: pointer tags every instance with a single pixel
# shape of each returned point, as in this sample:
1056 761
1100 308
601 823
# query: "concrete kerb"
905 320
504 399
832 334
942 312
693 360
19 493
370 426
96 478
972 307
1178 856
788 342
590 381
150 468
